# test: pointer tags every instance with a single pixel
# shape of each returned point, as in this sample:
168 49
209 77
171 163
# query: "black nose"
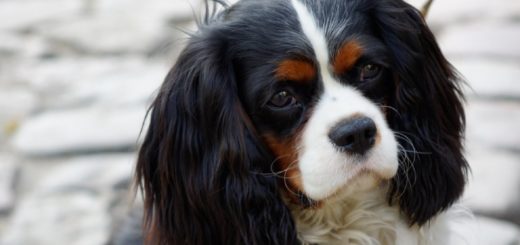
354 136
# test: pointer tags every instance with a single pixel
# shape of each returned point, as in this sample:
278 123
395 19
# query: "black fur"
203 168
428 117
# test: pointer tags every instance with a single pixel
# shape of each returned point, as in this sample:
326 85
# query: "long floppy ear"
428 119
201 166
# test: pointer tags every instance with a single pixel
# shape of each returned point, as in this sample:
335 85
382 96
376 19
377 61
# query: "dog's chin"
363 183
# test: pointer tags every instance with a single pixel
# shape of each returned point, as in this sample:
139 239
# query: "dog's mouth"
364 180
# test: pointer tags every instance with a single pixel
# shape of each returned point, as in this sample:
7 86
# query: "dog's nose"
354 136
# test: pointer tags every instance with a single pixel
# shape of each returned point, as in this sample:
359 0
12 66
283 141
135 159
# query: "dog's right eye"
282 99
370 72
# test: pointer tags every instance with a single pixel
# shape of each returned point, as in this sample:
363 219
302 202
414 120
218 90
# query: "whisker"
282 174
407 163
391 108
289 189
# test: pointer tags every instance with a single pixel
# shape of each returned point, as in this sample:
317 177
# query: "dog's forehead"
338 20
331 13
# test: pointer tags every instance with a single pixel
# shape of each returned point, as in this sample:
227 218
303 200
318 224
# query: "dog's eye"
370 71
282 99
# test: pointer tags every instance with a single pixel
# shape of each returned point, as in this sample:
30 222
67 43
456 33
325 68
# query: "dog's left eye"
282 99
370 71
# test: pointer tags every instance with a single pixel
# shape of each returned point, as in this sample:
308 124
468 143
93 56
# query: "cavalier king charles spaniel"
305 122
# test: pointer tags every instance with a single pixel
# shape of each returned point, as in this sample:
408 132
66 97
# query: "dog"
305 122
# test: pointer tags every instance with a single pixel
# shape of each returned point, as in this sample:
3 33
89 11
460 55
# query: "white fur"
366 219
324 169
352 189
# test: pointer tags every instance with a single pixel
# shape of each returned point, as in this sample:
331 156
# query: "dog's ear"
428 119
201 167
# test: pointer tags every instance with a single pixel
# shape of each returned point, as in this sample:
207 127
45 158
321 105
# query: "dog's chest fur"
366 220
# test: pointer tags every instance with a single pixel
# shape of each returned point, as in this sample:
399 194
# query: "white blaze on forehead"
318 42
315 36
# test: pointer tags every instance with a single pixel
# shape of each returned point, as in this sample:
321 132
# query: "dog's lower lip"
363 170
374 171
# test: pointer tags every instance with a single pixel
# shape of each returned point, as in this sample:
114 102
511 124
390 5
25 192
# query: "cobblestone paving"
76 77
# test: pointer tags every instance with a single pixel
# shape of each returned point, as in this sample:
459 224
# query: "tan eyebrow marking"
347 56
295 70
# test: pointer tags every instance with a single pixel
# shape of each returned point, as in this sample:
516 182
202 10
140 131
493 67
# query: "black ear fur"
200 166
429 117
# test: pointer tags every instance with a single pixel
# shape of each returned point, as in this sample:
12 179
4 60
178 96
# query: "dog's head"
306 99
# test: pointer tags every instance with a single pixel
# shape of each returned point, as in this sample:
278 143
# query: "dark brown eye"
282 99
370 71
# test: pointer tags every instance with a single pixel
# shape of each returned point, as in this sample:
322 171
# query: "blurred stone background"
76 77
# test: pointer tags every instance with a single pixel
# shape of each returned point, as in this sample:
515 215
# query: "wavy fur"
206 172
428 115
201 164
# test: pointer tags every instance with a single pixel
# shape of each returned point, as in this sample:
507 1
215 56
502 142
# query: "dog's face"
316 88
316 99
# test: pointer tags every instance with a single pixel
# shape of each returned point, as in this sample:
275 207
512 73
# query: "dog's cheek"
285 165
